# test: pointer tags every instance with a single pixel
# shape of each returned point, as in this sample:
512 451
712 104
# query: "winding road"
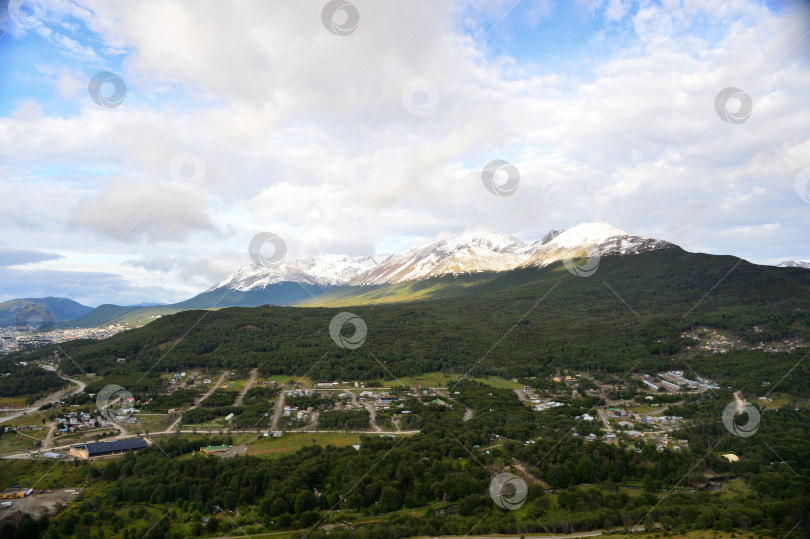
50 399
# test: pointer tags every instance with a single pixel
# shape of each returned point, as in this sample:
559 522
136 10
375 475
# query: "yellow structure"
214 449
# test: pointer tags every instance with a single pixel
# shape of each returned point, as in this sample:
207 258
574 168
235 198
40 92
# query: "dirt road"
247 387
207 394
277 411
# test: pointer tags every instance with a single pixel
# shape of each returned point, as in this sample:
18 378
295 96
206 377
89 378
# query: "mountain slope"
323 270
304 281
589 240
50 309
465 254
630 315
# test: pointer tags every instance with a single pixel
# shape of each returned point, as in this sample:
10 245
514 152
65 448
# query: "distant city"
13 339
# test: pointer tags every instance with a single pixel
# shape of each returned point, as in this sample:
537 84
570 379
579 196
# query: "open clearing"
291 442
38 504
438 379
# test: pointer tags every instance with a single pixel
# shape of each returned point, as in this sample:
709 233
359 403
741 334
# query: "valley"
612 416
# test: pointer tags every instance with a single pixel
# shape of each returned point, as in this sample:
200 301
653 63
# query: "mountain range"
344 280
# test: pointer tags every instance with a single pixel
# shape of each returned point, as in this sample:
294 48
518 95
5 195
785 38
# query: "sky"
143 144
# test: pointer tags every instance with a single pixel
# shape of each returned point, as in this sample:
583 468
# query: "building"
99 449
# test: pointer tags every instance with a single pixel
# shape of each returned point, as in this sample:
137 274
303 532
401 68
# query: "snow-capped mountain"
464 254
794 264
591 239
323 270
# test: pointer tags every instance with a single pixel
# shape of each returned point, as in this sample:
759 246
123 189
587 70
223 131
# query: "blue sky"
607 108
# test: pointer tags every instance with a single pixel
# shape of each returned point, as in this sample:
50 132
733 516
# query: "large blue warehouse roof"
120 445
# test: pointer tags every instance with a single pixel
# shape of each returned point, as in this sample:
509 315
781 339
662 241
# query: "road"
468 412
50 399
596 533
372 416
372 412
277 411
604 418
193 406
558 536
247 387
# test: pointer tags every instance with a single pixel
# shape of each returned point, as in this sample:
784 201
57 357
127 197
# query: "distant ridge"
20 311
303 281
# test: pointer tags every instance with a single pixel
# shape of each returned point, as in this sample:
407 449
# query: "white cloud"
129 211
68 86
304 132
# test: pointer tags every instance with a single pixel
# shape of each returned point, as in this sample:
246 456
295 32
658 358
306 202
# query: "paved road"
50 399
247 387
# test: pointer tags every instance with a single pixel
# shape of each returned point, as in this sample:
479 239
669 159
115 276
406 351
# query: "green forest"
526 325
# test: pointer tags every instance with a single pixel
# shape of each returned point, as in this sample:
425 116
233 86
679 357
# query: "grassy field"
12 401
283 379
291 442
14 443
43 474
150 422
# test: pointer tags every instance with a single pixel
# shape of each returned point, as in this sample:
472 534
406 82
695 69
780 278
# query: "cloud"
19 257
68 86
304 133
89 288
201 271
130 211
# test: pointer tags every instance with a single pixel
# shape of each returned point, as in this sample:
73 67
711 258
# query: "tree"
305 500
390 500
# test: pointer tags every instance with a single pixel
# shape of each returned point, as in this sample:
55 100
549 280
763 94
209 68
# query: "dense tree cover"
521 324
262 394
542 319
444 477
220 397
161 403
31 380
343 419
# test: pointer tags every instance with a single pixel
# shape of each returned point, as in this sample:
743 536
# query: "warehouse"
99 449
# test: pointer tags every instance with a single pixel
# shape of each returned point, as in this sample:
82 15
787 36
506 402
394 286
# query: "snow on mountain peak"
324 270
591 239
794 264
468 253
